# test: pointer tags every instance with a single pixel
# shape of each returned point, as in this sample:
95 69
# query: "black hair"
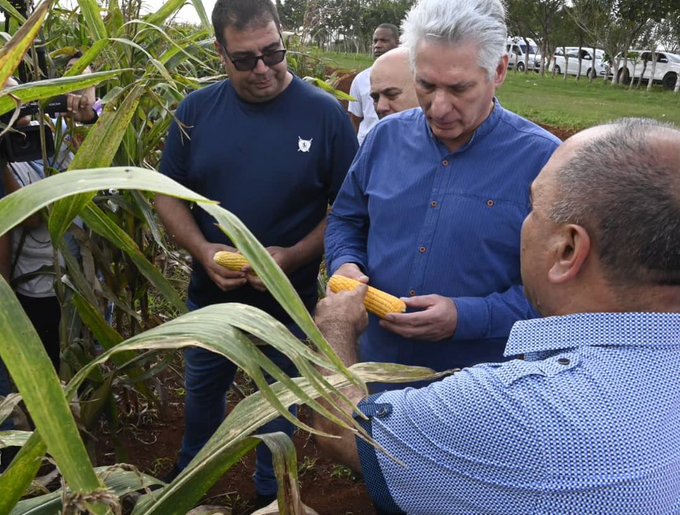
241 14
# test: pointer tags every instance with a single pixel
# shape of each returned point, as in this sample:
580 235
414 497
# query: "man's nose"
382 107
441 103
260 67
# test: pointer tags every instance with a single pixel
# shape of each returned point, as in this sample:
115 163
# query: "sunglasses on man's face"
248 63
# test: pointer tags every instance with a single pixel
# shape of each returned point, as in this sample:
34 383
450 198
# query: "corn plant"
142 70
221 328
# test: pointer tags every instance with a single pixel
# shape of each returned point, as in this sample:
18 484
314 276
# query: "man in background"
361 111
392 87
588 422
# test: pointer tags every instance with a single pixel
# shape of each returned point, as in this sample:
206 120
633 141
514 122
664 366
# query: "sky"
187 13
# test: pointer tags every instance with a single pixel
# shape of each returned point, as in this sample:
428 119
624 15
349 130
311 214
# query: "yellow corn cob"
377 302
231 260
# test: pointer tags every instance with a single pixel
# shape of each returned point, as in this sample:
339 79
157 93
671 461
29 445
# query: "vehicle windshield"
675 58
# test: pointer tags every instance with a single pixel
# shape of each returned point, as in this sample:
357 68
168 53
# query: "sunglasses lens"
273 58
245 64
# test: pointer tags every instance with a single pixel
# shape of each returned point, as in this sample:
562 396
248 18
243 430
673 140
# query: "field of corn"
124 299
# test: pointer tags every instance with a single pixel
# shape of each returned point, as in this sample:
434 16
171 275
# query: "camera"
24 143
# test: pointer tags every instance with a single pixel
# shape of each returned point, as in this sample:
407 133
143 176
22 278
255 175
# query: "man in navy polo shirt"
272 150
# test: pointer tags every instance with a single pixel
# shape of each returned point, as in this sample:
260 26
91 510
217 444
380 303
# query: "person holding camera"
31 268
27 253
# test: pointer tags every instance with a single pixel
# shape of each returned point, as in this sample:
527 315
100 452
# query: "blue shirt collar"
485 128
564 332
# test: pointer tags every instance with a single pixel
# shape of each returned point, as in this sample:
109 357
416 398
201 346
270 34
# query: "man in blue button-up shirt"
589 422
432 206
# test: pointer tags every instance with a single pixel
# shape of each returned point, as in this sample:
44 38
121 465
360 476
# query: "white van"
521 56
566 60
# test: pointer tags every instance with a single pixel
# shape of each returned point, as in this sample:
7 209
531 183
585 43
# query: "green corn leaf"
49 88
17 478
121 481
202 15
32 371
98 149
319 83
15 49
96 220
88 57
166 10
93 19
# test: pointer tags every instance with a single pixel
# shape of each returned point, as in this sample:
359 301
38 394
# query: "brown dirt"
151 440
560 133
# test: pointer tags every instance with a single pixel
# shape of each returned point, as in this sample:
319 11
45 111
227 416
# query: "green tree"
535 19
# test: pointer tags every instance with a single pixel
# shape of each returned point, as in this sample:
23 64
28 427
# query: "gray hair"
459 21
624 189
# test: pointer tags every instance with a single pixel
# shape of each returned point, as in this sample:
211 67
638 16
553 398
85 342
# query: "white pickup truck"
566 61
639 64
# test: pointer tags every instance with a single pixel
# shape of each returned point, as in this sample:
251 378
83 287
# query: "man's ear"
501 71
221 52
572 248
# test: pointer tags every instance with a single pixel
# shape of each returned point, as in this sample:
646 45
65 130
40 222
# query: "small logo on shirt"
304 144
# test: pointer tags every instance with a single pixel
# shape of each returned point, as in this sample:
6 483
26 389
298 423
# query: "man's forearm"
341 318
310 247
179 223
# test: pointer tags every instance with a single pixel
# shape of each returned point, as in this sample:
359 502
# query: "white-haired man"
432 206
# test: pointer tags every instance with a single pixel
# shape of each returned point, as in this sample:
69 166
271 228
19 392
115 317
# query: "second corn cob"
377 302
231 260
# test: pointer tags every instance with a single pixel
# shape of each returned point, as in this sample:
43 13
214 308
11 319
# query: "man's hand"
353 272
284 257
81 106
437 319
225 279
342 318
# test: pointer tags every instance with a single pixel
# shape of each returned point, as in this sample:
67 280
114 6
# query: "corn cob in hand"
377 302
231 260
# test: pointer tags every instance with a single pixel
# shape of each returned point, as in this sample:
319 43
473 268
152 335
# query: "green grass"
569 104
343 61
578 105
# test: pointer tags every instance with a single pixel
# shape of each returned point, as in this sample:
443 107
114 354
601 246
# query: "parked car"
566 59
639 65
522 56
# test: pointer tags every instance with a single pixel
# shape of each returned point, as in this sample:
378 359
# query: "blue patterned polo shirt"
588 423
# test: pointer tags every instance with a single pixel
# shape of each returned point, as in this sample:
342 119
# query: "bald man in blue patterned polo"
589 421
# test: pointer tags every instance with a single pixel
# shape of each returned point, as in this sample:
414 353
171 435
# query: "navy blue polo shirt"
276 165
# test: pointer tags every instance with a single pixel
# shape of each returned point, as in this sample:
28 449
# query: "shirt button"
445 162
490 203
422 250
433 203
563 361
412 293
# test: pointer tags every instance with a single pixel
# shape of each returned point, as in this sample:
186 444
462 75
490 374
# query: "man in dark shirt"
273 150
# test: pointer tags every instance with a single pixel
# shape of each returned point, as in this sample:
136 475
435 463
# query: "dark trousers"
45 315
